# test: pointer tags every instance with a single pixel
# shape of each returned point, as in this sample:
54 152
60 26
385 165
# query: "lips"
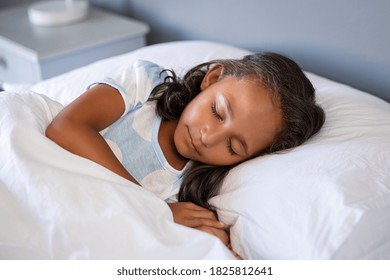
192 143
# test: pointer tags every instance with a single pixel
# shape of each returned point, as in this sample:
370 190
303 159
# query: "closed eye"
229 147
214 112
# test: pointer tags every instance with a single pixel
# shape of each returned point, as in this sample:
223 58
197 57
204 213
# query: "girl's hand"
192 215
220 233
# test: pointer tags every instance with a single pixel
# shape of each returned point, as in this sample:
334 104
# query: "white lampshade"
54 13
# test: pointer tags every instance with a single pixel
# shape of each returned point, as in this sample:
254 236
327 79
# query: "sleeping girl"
179 137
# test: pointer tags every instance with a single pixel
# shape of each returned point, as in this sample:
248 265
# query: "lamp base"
54 13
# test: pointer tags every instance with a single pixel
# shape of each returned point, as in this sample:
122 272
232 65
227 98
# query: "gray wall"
345 40
9 3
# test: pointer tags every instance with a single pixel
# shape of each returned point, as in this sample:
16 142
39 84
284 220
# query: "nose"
211 136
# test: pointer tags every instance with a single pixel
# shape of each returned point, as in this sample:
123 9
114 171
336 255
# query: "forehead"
249 94
257 115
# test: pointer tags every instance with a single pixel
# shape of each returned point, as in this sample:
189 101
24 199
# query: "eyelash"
217 116
229 147
214 111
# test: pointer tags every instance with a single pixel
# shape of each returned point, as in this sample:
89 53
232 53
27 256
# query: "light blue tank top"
134 137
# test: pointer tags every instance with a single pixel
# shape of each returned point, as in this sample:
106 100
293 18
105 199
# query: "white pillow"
329 198
179 56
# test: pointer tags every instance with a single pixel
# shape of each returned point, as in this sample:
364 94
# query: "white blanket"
56 205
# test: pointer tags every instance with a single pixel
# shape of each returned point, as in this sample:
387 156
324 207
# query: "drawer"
16 66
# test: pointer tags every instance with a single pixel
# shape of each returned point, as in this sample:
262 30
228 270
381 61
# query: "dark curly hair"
288 86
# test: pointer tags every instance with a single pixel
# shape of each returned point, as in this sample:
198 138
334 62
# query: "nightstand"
30 53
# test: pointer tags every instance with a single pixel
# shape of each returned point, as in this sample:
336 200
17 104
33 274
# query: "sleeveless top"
134 136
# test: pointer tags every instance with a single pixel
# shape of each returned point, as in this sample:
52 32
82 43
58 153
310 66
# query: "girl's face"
230 121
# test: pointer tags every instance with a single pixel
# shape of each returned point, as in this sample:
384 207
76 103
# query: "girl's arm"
76 128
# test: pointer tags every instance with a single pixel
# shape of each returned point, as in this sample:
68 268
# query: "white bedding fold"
56 205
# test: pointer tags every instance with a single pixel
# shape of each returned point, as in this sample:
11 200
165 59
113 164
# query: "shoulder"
151 71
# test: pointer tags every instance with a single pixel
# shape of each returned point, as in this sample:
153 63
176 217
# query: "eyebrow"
226 103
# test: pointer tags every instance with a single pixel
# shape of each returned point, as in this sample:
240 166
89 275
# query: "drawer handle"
3 63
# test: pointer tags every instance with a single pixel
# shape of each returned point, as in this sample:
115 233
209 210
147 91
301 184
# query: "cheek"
219 156
191 113
198 108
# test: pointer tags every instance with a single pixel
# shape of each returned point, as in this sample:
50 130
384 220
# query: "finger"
200 211
195 211
198 222
191 207
221 234
204 214
192 215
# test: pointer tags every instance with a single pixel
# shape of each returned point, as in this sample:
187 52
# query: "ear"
213 75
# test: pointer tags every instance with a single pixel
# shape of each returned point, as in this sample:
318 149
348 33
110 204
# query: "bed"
327 199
